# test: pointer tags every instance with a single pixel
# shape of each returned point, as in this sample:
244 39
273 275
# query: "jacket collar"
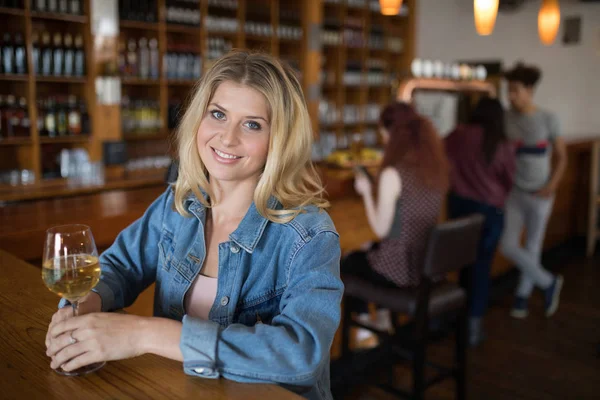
249 231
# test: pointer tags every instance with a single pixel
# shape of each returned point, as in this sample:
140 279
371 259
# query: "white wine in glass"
70 269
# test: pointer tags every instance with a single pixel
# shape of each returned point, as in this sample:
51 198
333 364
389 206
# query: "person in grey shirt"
536 133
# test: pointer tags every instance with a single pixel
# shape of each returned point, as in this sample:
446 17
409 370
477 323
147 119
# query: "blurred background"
91 93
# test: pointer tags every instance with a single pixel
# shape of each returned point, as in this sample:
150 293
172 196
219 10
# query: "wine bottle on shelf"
57 55
154 58
20 58
7 54
40 5
75 7
79 56
150 12
61 117
25 124
69 55
52 6
74 119
35 52
144 58
46 52
10 120
50 121
63 6
41 117
85 119
132 59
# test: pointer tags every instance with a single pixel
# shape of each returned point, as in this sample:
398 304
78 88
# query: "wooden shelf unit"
28 149
304 53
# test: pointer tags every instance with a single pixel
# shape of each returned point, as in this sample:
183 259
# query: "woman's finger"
68 353
64 340
57 317
81 361
70 324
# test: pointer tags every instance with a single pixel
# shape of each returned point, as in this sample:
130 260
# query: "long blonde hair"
289 174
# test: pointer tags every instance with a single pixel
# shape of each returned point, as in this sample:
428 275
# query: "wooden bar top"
26 307
62 188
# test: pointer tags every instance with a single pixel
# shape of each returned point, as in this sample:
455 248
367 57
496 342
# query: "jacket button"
234 249
224 301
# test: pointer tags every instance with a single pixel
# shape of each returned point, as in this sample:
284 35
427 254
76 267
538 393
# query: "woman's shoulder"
311 221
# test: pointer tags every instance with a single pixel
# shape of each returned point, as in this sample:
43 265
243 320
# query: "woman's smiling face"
233 137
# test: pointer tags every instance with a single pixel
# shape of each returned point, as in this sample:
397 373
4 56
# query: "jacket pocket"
260 310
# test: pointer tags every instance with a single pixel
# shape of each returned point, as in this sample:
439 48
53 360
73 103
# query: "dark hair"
414 145
489 115
528 75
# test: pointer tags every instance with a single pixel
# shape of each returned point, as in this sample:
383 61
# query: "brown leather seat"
444 297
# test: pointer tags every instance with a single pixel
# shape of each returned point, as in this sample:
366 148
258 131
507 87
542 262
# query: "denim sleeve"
129 265
292 349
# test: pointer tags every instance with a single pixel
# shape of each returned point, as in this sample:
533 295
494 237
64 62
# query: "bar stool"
452 246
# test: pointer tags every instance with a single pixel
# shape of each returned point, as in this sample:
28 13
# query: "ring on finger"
73 340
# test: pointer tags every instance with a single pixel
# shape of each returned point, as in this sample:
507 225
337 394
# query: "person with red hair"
411 186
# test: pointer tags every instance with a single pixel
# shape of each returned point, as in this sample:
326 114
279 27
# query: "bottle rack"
28 152
345 53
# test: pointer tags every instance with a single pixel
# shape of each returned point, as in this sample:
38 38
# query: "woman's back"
400 256
474 177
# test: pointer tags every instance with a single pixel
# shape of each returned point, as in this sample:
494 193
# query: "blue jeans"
479 279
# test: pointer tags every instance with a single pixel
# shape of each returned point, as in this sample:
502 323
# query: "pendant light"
390 7
548 21
485 16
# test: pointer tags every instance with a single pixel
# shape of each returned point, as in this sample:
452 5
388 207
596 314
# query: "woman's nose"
229 136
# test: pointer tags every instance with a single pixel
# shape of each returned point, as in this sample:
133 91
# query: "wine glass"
70 269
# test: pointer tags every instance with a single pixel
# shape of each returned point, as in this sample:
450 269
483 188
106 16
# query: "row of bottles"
139 59
181 62
140 116
330 114
14 117
218 47
185 12
63 57
226 4
134 10
13 55
62 116
58 6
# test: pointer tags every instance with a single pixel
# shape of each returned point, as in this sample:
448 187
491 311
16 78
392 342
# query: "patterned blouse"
400 256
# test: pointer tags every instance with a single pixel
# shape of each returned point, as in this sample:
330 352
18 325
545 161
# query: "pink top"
201 296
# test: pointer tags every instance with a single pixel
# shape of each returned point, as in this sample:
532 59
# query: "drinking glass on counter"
71 270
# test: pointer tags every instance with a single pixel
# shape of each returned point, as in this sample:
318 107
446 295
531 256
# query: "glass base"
88 369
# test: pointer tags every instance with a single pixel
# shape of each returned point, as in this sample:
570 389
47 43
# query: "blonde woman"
245 260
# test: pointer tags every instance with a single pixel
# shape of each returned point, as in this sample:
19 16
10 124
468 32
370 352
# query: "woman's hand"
362 185
88 304
83 340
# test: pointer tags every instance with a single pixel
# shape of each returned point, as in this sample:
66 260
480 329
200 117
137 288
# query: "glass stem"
75 306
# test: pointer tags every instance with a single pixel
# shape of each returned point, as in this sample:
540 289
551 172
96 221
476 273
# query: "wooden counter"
61 187
22 225
26 307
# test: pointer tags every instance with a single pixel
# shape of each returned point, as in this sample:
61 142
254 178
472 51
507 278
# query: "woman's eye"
255 126
218 114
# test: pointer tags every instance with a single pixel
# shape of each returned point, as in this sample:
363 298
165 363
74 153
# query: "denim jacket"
278 298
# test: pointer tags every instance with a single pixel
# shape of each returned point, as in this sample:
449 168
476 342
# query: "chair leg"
419 369
461 354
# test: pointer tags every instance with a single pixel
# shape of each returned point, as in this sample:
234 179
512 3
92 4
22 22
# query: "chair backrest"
453 245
